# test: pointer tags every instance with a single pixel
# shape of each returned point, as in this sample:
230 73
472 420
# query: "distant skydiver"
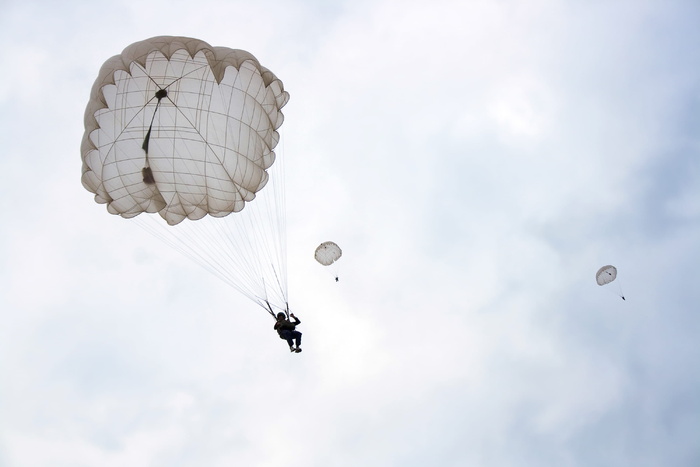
328 253
287 331
606 275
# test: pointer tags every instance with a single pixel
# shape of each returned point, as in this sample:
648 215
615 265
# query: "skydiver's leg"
286 335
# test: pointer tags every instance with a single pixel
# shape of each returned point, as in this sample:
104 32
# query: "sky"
477 161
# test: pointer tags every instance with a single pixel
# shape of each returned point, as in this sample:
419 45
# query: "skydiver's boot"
292 349
297 350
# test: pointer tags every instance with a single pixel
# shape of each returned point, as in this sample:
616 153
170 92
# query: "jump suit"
286 330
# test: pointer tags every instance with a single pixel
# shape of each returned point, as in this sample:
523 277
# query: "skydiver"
287 331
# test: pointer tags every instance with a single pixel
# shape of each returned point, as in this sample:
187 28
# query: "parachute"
328 253
606 275
177 127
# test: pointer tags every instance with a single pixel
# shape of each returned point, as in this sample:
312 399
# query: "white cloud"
477 162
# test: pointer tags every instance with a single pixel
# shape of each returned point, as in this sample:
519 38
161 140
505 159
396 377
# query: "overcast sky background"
477 161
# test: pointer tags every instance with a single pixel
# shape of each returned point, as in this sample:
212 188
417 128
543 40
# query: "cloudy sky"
478 161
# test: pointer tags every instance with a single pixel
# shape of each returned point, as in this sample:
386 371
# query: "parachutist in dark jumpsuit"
287 331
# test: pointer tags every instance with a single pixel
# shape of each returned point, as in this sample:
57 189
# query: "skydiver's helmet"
280 315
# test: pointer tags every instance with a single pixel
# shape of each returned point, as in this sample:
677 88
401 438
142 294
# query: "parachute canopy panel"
327 253
606 275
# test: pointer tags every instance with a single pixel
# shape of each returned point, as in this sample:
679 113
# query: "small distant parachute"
606 275
328 253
